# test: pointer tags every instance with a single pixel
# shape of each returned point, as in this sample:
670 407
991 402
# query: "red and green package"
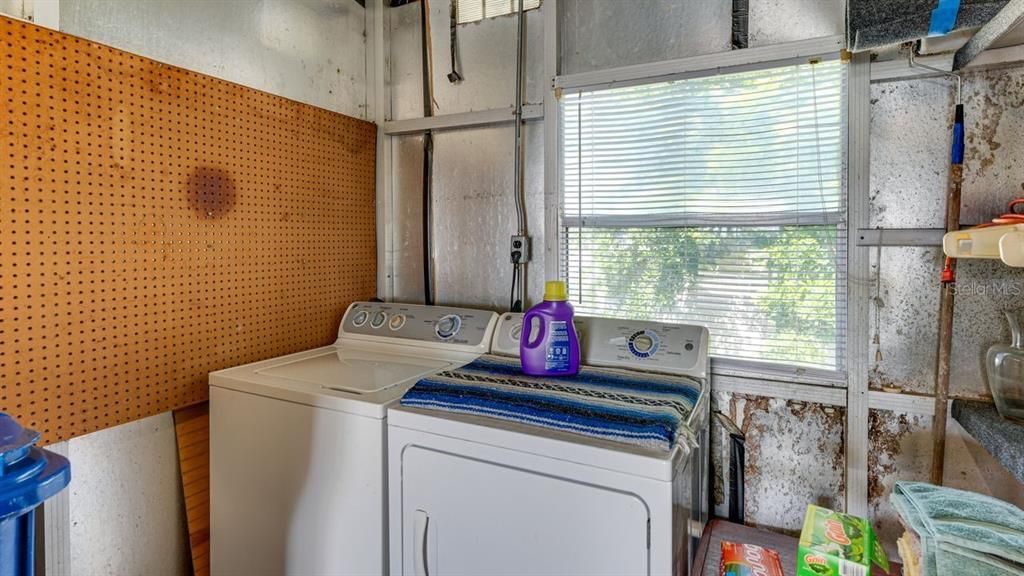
749 560
836 544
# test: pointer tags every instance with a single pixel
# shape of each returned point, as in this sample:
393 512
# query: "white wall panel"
596 34
313 51
487 54
126 505
475 214
777 21
407 231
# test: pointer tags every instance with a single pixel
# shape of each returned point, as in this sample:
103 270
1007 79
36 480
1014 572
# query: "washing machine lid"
343 369
362 379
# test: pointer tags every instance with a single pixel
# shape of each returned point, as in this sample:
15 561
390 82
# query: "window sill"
777 372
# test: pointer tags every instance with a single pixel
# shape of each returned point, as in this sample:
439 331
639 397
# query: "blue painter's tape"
958 144
958 135
944 17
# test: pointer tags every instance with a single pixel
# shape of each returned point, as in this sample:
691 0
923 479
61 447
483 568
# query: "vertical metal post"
378 100
552 154
858 283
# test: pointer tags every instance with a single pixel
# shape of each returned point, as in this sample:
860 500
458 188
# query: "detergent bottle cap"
556 291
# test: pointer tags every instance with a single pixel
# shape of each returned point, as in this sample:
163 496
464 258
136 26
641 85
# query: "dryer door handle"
421 526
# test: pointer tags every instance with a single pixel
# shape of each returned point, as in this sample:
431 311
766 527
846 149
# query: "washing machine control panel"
461 326
638 344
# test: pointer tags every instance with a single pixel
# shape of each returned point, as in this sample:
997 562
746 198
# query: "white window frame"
775 381
695 67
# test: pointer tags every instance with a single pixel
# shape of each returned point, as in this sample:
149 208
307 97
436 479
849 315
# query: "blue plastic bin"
28 476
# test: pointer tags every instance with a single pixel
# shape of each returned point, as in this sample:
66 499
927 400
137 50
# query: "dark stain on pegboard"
117 296
211 192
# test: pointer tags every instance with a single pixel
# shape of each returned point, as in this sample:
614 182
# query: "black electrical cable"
453 41
740 23
428 175
428 160
512 296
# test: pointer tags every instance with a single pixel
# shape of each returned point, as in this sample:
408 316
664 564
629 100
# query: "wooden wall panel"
192 428
157 224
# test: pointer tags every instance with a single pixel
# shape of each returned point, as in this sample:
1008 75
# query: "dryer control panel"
460 327
636 344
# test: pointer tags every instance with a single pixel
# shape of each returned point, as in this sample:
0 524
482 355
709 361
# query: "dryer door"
463 516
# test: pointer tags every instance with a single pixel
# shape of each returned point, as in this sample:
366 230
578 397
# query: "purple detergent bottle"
549 345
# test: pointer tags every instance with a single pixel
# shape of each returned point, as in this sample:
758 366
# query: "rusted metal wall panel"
910 133
794 457
907 328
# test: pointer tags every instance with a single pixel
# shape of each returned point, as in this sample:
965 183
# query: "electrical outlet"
520 249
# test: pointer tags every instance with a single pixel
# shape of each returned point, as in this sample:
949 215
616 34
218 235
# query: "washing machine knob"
360 318
378 319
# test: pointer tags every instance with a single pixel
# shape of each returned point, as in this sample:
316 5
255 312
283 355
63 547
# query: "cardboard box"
749 560
835 544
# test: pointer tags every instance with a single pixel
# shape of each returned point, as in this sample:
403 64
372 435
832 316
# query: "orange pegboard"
157 224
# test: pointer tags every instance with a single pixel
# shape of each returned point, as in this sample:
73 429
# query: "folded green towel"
962 532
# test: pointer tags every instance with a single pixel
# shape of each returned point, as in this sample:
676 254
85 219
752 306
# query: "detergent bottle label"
557 357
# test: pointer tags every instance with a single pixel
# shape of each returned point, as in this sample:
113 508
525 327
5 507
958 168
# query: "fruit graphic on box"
836 544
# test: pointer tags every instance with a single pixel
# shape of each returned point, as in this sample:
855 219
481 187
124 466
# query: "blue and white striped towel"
643 409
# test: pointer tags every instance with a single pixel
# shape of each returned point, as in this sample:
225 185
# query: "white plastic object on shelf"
1004 243
1011 247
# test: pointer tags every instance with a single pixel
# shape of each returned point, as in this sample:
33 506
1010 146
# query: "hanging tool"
453 40
428 157
948 279
520 253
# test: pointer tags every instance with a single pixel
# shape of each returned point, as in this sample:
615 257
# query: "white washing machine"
297 443
470 494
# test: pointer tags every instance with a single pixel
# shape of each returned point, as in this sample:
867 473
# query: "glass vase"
1005 366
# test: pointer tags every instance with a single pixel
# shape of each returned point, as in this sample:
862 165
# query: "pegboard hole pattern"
159 224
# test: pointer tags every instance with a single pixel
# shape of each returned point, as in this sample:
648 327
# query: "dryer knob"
448 326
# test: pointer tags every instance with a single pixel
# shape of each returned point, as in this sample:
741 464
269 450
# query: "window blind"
474 10
718 200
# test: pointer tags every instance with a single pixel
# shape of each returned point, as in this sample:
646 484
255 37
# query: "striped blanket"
643 409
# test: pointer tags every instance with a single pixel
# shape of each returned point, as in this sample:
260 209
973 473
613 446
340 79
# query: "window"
719 200
473 10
